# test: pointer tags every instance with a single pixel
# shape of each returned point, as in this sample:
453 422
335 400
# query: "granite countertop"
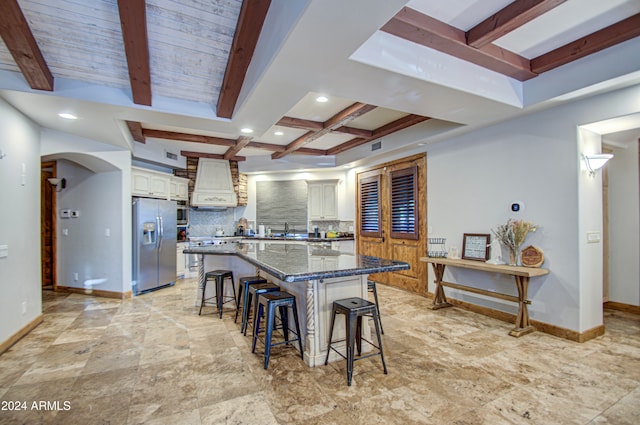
297 262
298 238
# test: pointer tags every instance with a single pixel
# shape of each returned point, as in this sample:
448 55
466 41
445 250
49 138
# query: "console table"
520 274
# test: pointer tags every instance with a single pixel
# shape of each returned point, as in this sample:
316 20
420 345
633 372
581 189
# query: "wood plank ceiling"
200 51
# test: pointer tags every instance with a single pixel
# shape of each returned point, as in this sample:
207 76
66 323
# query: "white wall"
472 180
86 249
623 225
20 271
102 187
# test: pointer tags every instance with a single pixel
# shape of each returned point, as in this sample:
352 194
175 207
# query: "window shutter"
404 209
370 222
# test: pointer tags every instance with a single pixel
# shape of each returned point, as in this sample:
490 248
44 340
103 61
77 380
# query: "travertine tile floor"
153 360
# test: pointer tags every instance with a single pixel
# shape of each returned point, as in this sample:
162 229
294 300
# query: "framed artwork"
475 246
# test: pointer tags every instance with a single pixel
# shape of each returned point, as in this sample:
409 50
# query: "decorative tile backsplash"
205 222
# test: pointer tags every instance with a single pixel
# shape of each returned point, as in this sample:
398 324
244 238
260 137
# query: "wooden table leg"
440 300
523 326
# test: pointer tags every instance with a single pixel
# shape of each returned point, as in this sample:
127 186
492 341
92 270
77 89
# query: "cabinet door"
315 195
182 190
159 186
329 201
180 260
140 183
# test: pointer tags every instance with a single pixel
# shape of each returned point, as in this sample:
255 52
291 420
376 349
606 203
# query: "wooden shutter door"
391 219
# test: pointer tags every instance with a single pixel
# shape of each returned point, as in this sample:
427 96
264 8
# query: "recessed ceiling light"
67 115
278 133
322 99
247 130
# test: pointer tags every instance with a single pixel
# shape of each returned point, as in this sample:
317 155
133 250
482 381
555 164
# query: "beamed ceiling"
191 74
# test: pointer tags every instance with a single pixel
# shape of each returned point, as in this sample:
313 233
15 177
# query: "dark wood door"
391 219
48 225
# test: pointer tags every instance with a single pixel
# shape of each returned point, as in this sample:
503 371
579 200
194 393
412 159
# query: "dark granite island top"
295 262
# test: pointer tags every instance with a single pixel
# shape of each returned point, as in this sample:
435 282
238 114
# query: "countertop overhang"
298 263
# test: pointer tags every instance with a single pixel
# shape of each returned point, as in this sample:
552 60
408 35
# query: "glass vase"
514 256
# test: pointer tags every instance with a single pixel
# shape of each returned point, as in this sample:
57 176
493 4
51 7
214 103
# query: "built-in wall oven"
182 213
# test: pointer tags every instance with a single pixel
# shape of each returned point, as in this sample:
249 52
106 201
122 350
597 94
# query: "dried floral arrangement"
513 234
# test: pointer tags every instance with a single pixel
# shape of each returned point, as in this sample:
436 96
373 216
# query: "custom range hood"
214 186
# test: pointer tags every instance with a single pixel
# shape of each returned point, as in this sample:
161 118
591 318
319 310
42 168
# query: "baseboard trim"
622 307
5 345
95 292
540 326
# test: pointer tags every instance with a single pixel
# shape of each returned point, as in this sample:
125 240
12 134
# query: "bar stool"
354 310
257 289
371 287
243 295
272 301
220 277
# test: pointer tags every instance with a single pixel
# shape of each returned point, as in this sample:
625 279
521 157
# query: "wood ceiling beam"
266 146
589 44
508 19
300 124
354 131
250 22
190 154
135 128
385 130
427 31
338 120
133 21
186 137
22 45
240 144
311 125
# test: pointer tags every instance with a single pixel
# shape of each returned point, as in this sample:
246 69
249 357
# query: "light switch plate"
593 237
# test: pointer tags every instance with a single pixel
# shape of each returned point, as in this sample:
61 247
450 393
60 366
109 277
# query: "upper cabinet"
323 199
179 188
154 184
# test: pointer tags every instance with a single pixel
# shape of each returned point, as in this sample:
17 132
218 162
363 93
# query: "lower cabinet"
181 259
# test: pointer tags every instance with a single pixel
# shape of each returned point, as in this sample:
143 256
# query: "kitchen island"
317 276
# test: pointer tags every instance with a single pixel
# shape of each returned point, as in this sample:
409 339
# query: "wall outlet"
24 307
107 232
75 277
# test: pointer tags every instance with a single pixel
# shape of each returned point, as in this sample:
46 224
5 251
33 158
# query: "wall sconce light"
58 184
596 162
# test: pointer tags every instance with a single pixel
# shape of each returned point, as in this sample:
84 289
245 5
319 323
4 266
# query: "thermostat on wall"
516 207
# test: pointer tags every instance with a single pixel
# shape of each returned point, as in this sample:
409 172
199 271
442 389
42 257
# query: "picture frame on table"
475 246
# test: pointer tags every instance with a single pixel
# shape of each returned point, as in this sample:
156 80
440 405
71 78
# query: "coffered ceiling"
192 74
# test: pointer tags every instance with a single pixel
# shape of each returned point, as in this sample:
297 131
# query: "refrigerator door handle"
161 233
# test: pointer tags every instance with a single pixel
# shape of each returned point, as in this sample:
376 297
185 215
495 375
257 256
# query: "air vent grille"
377 145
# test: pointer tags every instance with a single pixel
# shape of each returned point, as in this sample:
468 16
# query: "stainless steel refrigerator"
154 244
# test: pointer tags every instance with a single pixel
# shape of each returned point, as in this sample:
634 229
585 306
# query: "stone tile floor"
153 360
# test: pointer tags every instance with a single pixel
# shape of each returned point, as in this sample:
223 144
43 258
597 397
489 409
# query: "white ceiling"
305 49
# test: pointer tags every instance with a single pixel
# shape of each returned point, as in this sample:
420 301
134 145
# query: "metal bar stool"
220 277
257 289
272 301
354 309
243 295
371 287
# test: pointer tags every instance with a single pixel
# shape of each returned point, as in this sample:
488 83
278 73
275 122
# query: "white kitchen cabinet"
149 183
179 189
181 259
323 200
